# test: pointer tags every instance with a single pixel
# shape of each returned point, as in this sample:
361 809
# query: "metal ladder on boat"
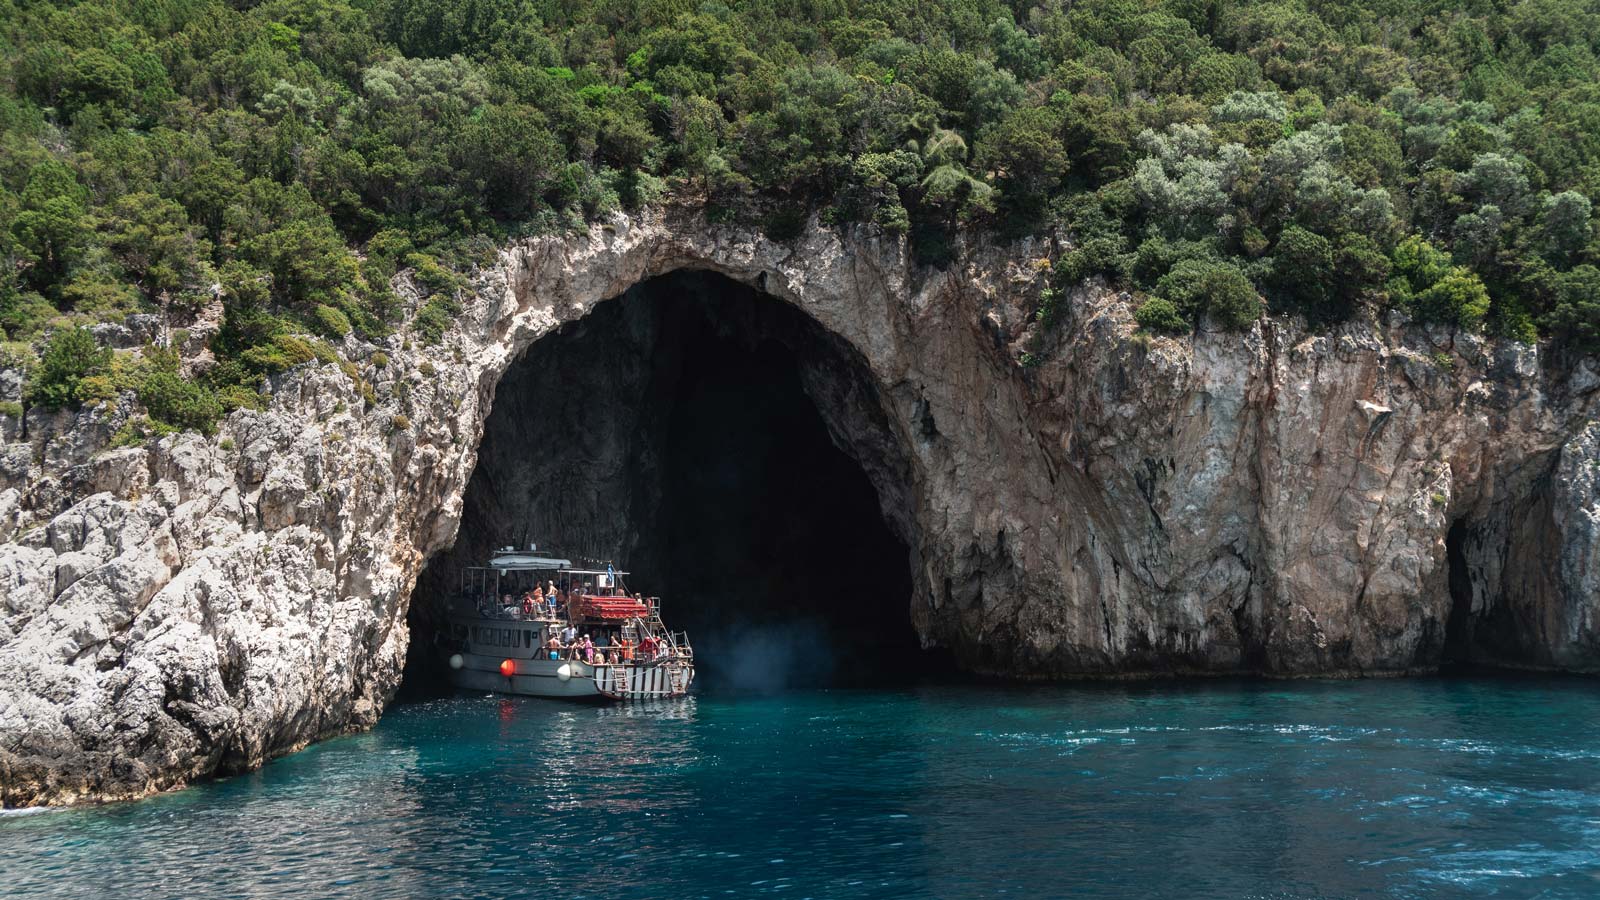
619 679
653 616
679 676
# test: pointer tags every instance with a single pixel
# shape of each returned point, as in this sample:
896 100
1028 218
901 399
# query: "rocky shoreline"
1366 501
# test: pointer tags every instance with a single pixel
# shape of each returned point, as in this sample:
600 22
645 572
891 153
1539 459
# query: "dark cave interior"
671 431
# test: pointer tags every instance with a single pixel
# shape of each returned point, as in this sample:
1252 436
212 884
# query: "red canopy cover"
612 607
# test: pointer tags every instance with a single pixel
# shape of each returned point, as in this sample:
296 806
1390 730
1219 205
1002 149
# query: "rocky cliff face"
1365 501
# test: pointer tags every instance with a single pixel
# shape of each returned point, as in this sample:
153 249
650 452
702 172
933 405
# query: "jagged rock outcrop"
1360 501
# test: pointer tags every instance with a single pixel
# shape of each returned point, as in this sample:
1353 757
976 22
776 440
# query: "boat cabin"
526 586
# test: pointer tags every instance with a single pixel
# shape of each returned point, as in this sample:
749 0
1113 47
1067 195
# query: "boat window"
527 638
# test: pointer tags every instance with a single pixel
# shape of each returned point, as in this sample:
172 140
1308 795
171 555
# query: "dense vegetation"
292 156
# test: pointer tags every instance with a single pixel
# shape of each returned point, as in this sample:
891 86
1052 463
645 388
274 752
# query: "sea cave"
715 442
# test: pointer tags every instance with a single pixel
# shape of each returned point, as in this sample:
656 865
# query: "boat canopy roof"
526 559
513 560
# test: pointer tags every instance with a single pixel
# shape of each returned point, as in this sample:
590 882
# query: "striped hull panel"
635 682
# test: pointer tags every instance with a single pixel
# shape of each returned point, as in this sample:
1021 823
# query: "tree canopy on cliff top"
293 155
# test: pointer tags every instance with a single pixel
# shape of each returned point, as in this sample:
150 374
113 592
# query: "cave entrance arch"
715 441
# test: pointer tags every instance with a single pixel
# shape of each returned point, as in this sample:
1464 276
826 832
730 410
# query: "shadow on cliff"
676 431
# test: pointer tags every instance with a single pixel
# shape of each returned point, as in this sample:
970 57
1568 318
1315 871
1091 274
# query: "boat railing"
517 615
638 659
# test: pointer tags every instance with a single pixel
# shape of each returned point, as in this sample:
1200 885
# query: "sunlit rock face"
1374 499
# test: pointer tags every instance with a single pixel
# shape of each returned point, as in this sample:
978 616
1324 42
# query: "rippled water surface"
1429 788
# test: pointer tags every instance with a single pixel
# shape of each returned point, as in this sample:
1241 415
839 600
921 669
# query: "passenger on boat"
528 604
588 649
553 645
613 657
569 635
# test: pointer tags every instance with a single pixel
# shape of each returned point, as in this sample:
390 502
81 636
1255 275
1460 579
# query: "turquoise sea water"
1426 788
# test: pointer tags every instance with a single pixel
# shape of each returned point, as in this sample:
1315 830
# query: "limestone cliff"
1356 502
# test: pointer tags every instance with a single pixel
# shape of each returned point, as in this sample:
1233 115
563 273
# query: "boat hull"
529 678
500 655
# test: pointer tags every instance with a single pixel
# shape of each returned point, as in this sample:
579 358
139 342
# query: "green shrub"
1458 298
284 352
1099 256
385 251
17 355
98 388
1156 256
1508 318
330 322
1419 263
139 430
435 318
380 360
432 277
400 423
1302 274
24 314
1159 315
177 401
1231 299
71 356
11 408
235 396
1575 315
1049 309
1200 286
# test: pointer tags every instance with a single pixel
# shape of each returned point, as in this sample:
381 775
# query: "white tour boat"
533 624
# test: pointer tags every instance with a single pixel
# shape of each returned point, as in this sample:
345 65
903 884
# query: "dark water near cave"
1428 788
